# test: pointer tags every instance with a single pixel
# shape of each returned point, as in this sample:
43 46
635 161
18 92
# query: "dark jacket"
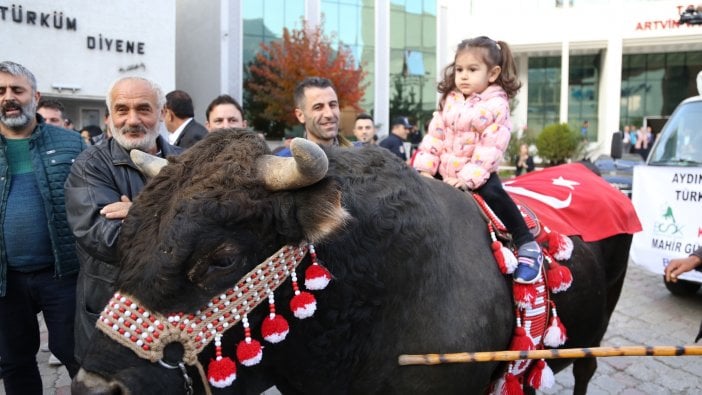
100 176
52 150
191 134
395 144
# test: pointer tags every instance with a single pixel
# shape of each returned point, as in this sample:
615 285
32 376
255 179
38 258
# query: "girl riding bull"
468 136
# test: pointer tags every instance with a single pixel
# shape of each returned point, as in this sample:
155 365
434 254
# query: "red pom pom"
559 277
221 373
555 334
541 376
512 386
560 246
303 305
524 294
274 329
317 277
249 352
496 251
521 341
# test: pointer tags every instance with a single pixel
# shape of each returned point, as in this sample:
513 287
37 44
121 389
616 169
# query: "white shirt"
173 137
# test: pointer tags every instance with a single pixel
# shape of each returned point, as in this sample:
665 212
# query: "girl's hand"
456 183
426 174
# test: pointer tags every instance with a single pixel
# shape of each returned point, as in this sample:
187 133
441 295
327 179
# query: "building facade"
612 63
394 40
77 48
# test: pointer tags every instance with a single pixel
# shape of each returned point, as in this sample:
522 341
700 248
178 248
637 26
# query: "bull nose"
87 383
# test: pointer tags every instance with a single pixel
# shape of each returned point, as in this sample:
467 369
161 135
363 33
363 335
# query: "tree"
557 143
279 66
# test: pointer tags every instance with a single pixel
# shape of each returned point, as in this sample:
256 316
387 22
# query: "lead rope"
203 377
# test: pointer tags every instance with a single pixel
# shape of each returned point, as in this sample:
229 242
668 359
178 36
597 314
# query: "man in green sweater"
38 263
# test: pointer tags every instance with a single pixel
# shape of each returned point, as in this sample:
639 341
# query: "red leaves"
280 65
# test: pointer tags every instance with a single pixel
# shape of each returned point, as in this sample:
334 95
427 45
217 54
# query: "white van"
667 195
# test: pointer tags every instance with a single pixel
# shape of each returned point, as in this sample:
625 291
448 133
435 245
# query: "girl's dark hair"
497 53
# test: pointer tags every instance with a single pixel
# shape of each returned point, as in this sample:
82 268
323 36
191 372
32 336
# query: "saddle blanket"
572 200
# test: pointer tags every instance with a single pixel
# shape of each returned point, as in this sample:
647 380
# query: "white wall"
199 58
67 57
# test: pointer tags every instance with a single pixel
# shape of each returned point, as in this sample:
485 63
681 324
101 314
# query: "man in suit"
183 130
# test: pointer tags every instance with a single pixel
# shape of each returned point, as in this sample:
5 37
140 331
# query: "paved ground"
647 314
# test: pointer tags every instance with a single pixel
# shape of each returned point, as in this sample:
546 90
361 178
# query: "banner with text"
668 201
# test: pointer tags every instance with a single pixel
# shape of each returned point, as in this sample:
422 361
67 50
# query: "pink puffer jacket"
468 139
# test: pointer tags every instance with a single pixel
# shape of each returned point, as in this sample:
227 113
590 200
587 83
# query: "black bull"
412 266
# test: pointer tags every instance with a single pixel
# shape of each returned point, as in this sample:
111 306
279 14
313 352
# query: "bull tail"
588 352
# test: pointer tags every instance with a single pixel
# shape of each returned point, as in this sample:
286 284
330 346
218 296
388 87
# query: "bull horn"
308 165
149 165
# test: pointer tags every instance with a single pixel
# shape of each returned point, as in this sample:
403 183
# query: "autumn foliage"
280 65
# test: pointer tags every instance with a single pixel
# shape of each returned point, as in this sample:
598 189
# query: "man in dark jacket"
400 128
183 130
38 264
100 189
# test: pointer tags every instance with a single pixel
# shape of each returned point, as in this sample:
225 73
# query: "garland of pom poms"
128 322
221 371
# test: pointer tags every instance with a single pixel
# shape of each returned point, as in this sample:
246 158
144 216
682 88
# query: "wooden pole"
491 356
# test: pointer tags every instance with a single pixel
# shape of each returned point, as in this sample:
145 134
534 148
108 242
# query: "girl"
468 136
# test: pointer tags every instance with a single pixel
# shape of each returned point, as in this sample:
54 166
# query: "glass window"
658 85
348 25
544 92
253 9
413 6
273 17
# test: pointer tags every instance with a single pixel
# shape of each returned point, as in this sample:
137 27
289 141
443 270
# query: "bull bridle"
147 333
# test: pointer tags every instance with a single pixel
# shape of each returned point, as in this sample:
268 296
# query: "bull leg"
583 370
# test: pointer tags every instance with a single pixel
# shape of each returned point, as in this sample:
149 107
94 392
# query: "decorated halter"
128 322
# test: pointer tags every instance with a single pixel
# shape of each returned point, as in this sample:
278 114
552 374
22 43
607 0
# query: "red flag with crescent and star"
573 200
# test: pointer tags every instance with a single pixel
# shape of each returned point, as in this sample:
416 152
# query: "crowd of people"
637 140
83 184
66 194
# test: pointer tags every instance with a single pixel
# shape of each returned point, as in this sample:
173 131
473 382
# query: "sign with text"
668 201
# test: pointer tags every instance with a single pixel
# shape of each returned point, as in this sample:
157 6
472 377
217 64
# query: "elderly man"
100 190
317 109
224 112
38 264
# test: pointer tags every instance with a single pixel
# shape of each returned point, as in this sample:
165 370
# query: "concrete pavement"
647 314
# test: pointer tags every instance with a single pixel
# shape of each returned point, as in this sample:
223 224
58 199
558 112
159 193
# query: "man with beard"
317 108
38 263
100 189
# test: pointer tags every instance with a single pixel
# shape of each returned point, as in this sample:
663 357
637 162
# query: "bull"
410 257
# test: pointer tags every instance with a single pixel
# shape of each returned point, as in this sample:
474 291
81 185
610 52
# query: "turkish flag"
573 200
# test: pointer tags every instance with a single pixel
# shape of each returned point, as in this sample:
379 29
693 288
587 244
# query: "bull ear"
308 165
149 164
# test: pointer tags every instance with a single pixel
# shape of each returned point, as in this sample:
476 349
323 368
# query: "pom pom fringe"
521 341
560 246
524 294
221 372
249 352
559 277
275 328
541 376
509 385
303 305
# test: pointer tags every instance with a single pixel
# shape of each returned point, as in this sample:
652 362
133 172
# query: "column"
381 106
